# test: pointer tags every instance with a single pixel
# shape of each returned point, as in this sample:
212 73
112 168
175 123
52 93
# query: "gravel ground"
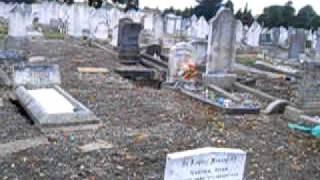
143 125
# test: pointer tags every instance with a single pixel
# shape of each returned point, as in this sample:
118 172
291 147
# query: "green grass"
247 61
3 31
53 35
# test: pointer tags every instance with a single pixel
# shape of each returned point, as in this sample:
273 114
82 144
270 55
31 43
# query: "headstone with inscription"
206 164
36 75
128 39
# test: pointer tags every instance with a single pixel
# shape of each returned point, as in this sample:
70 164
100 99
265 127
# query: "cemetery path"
140 126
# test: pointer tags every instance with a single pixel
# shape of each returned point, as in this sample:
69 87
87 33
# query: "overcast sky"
256 5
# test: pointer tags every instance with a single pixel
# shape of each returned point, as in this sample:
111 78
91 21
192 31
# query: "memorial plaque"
36 76
206 164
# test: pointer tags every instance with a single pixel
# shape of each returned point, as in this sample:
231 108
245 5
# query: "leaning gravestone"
128 39
297 43
206 164
44 101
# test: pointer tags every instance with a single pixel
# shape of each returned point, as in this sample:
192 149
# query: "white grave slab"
51 101
206 164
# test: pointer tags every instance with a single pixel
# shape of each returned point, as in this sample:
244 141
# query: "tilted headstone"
308 95
181 57
222 42
128 39
206 164
36 75
297 43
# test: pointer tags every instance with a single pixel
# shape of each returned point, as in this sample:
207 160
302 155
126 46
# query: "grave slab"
206 164
59 109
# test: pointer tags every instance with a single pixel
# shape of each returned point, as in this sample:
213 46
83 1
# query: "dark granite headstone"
128 41
36 76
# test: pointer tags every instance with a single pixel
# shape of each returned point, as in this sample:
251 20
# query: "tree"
276 16
229 4
130 4
306 17
245 17
95 3
207 8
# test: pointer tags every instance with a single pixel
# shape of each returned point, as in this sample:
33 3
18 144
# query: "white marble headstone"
206 164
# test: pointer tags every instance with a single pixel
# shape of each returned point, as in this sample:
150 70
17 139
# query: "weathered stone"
36 76
297 43
38 111
308 94
222 42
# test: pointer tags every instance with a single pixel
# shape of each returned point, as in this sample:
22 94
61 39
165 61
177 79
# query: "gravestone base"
224 81
51 116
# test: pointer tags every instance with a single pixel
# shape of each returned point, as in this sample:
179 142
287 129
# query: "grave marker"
128 39
297 43
206 164
36 76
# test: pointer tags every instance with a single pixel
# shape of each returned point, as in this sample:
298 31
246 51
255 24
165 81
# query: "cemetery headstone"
253 35
275 36
297 43
36 76
222 42
308 95
206 164
128 39
181 60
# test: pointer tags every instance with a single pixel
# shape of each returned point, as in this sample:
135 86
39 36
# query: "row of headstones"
80 18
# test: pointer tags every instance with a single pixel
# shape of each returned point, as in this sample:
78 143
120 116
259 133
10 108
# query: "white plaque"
206 164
